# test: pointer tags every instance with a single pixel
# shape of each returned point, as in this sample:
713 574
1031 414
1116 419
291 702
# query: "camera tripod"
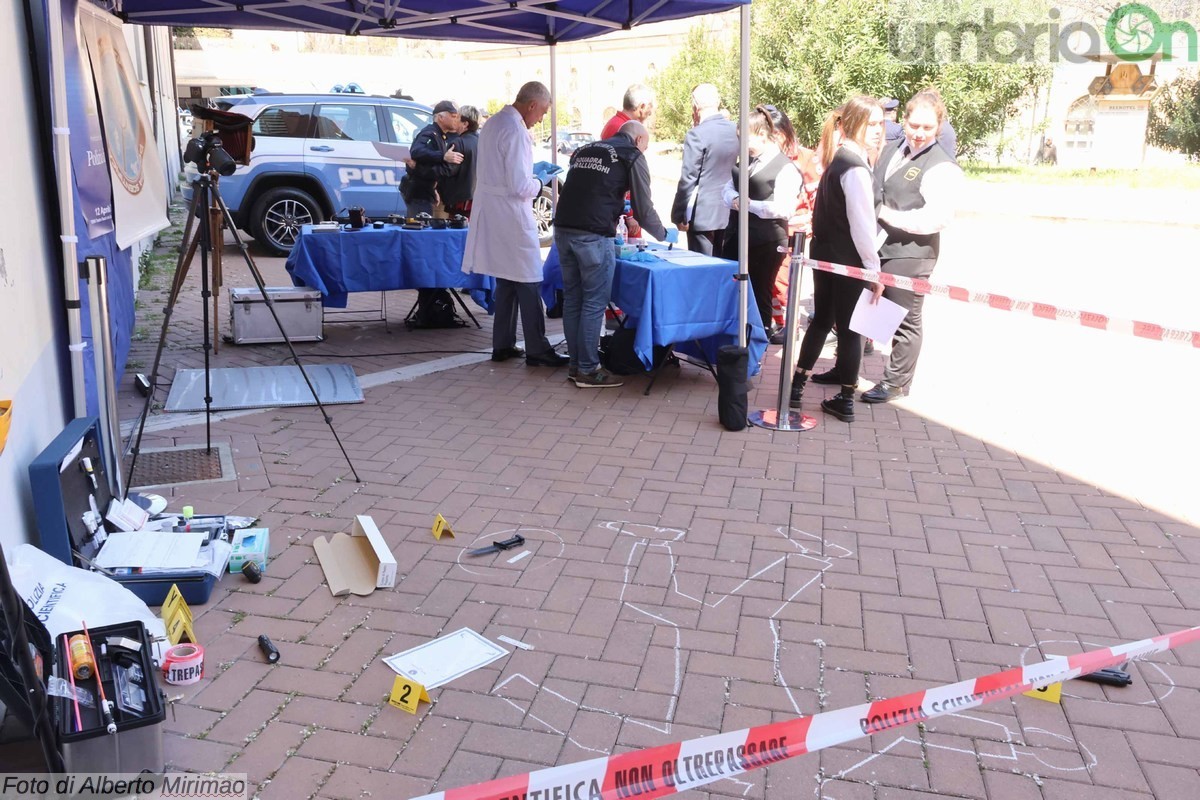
208 211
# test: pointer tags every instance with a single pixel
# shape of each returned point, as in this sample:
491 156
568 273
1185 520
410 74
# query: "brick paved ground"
684 581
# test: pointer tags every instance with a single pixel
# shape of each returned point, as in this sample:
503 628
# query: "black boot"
841 405
798 381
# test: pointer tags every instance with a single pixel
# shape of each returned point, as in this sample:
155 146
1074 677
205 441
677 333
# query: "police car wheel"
278 216
543 215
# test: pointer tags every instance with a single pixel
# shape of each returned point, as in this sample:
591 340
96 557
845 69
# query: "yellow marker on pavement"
441 527
407 694
1051 693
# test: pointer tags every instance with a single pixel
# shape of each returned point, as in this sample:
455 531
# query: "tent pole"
66 207
744 180
554 122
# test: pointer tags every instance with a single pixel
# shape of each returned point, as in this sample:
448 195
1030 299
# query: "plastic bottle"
622 231
187 518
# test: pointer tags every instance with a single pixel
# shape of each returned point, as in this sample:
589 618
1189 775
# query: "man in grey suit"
709 150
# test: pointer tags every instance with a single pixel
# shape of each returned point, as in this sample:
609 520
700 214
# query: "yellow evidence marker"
407 694
1051 693
441 527
177 618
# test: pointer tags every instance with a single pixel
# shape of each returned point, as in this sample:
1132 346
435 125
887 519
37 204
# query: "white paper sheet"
150 550
436 663
878 321
687 258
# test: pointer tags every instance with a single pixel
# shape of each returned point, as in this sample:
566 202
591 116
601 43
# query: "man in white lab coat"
502 240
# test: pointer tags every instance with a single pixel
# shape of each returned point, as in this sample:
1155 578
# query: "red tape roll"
183 664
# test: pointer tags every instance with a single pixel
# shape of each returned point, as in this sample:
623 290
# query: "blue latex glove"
641 255
546 168
672 236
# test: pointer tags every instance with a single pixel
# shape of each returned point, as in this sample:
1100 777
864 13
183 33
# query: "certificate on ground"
448 657
877 321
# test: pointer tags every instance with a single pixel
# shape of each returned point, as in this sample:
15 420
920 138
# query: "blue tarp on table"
675 304
384 259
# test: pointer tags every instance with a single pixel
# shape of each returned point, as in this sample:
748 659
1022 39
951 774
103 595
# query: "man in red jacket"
638 104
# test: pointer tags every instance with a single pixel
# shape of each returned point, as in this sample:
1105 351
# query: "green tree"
1175 116
809 57
703 59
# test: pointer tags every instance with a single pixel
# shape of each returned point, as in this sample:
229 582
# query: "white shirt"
941 186
788 185
858 185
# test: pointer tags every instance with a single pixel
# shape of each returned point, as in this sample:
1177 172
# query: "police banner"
139 190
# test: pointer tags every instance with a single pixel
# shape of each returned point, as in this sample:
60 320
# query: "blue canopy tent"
507 21
493 21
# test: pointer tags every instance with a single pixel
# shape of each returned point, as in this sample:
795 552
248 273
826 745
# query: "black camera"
206 152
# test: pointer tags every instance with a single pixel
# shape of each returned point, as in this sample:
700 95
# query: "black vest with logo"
762 187
902 191
594 194
831 224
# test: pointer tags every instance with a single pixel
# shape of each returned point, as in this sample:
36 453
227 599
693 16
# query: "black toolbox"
137 705
62 493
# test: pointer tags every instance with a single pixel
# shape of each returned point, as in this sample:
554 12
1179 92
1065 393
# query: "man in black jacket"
433 157
592 199
457 190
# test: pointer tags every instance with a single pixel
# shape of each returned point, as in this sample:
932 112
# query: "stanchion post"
782 418
789 321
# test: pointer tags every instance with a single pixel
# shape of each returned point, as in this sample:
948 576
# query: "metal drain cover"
174 466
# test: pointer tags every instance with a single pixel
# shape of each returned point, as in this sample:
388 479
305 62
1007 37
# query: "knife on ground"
496 547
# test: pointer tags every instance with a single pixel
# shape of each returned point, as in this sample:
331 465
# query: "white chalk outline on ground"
645 543
1014 754
536 563
1171 685
1017 749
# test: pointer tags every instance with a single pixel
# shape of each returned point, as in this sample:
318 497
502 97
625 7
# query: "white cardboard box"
385 577
358 563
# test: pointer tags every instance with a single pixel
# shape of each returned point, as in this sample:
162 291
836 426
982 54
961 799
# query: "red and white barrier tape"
1088 319
673 768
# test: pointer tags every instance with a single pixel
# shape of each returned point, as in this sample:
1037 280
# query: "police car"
316 155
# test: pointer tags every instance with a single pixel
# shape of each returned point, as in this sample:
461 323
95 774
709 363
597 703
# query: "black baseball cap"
445 105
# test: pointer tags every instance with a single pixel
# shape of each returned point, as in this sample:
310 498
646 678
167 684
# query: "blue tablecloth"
675 304
383 259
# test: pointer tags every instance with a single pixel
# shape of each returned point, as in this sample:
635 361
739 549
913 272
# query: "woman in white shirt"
775 185
844 232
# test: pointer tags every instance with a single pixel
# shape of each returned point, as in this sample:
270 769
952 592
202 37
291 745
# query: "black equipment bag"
732 389
618 356
435 309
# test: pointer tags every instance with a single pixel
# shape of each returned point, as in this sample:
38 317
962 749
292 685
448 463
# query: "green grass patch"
1186 176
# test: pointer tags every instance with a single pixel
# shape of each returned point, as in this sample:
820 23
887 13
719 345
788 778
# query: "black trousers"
509 297
707 242
906 344
834 298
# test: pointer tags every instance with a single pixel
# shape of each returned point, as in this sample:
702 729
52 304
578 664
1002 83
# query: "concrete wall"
33 344
29 305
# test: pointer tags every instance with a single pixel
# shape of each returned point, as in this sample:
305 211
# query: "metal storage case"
299 309
138 743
